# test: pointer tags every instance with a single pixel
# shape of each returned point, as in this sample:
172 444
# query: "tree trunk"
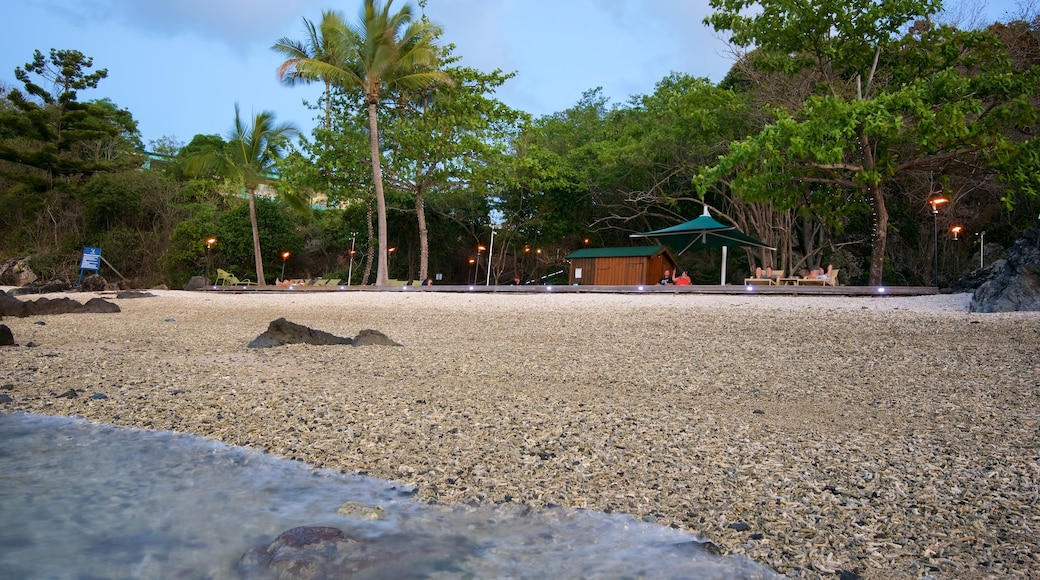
256 239
424 242
877 256
370 252
382 278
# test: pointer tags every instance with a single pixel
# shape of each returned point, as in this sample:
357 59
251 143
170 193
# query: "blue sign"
91 259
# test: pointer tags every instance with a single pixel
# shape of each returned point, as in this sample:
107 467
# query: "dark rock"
16 273
306 553
126 294
7 387
5 399
41 288
6 336
281 331
99 306
69 394
93 283
1015 285
739 526
10 306
99 396
197 283
373 338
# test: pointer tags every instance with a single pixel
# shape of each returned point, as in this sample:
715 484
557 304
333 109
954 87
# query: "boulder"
93 283
11 306
6 336
281 331
197 283
16 273
1015 284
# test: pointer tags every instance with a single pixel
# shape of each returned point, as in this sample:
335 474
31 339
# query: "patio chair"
225 278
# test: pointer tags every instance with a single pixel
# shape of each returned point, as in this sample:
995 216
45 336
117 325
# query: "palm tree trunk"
256 239
370 252
424 242
377 178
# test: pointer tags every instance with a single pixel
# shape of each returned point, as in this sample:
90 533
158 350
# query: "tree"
453 137
250 158
944 101
383 52
318 47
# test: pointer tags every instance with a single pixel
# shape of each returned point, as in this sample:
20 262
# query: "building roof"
628 252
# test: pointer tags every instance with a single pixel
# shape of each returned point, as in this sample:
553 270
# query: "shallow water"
79 500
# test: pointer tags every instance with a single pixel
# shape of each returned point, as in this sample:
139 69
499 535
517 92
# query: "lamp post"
209 244
476 269
982 249
956 231
935 202
473 263
285 256
350 269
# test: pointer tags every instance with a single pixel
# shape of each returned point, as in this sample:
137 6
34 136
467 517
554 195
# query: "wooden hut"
634 266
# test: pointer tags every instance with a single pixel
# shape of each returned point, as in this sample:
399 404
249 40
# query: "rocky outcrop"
281 331
16 273
11 306
1015 284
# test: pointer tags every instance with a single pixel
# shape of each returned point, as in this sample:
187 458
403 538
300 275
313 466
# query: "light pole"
982 249
209 244
473 262
491 255
935 202
476 269
285 256
350 269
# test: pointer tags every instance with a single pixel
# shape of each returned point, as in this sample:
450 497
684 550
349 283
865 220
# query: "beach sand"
885 437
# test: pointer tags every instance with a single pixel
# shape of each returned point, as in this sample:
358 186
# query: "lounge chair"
773 281
225 278
830 280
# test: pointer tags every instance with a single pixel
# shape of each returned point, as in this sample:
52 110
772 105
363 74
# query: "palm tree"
383 53
250 158
317 47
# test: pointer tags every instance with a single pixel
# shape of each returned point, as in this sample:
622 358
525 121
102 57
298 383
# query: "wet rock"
1014 286
281 331
310 552
6 336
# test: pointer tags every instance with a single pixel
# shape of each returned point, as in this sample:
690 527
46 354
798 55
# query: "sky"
181 66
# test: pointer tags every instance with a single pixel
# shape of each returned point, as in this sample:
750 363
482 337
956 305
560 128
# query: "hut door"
635 273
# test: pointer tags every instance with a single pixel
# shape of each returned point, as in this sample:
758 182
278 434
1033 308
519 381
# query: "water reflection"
80 500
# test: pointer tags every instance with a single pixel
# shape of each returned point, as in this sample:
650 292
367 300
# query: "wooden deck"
651 289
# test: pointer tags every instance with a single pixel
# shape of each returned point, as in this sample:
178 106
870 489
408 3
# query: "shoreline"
885 436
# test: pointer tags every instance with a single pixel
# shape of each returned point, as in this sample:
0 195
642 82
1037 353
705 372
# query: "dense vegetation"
826 140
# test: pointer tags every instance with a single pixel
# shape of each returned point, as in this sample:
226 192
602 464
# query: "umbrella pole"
724 252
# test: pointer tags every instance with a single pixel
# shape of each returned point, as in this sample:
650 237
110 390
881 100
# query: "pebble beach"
879 437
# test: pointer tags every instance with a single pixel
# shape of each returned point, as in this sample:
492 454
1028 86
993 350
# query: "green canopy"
702 233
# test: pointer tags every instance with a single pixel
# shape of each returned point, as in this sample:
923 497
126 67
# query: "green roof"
629 252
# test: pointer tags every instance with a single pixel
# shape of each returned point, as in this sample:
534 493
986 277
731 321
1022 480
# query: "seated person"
278 282
666 278
683 279
768 273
